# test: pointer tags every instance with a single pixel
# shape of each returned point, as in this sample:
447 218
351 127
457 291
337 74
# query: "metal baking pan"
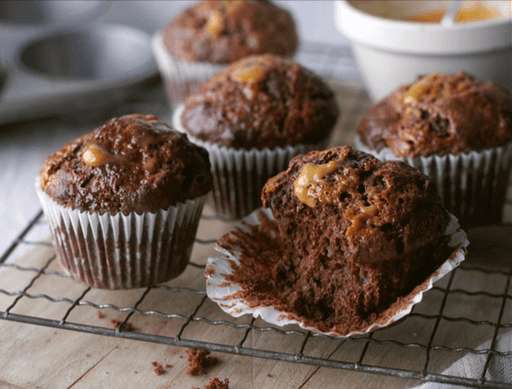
50 66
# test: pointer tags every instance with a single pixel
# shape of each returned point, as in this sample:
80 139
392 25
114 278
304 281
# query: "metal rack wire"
350 354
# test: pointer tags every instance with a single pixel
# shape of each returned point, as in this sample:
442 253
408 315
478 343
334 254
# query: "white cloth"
471 365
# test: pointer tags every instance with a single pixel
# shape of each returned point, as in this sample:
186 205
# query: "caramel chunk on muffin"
130 164
224 31
261 101
440 114
361 233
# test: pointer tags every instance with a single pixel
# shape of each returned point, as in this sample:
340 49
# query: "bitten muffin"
124 202
456 130
362 233
253 118
225 31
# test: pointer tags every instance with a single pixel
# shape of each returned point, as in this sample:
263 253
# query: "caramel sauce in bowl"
394 41
434 11
473 12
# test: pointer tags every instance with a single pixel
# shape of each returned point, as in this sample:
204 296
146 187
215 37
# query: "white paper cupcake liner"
224 292
123 251
239 175
182 78
471 185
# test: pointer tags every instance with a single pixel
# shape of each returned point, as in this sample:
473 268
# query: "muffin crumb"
199 361
125 327
209 271
158 368
215 383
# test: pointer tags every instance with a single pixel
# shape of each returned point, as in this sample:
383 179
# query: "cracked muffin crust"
131 163
222 32
440 114
262 101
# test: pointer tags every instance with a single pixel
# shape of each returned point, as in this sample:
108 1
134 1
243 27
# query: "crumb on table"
158 368
199 360
216 383
125 327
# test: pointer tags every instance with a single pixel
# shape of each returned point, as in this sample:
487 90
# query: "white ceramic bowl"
391 52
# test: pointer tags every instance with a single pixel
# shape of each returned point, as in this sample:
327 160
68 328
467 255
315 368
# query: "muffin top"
261 101
440 114
130 164
224 31
373 211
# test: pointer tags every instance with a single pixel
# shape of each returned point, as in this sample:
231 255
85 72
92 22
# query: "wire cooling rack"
466 316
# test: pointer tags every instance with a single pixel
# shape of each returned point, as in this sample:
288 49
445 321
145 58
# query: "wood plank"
37 357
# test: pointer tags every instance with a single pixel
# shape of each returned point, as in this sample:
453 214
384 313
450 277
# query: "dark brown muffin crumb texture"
116 322
373 233
225 31
124 327
215 383
130 164
158 369
199 361
262 101
440 114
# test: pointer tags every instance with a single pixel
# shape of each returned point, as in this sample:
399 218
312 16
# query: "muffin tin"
57 59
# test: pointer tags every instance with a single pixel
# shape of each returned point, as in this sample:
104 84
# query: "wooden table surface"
43 357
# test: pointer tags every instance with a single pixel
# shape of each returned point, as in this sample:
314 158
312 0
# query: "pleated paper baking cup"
123 251
239 175
226 294
182 78
471 185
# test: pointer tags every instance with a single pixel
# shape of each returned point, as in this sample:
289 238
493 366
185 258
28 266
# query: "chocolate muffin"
362 233
124 202
440 114
222 32
261 102
253 118
456 130
209 35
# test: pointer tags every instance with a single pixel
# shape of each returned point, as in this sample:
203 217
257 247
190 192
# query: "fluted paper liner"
123 251
471 185
239 175
182 78
223 292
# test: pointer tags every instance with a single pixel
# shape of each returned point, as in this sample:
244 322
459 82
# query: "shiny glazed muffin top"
261 101
133 163
224 31
440 114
